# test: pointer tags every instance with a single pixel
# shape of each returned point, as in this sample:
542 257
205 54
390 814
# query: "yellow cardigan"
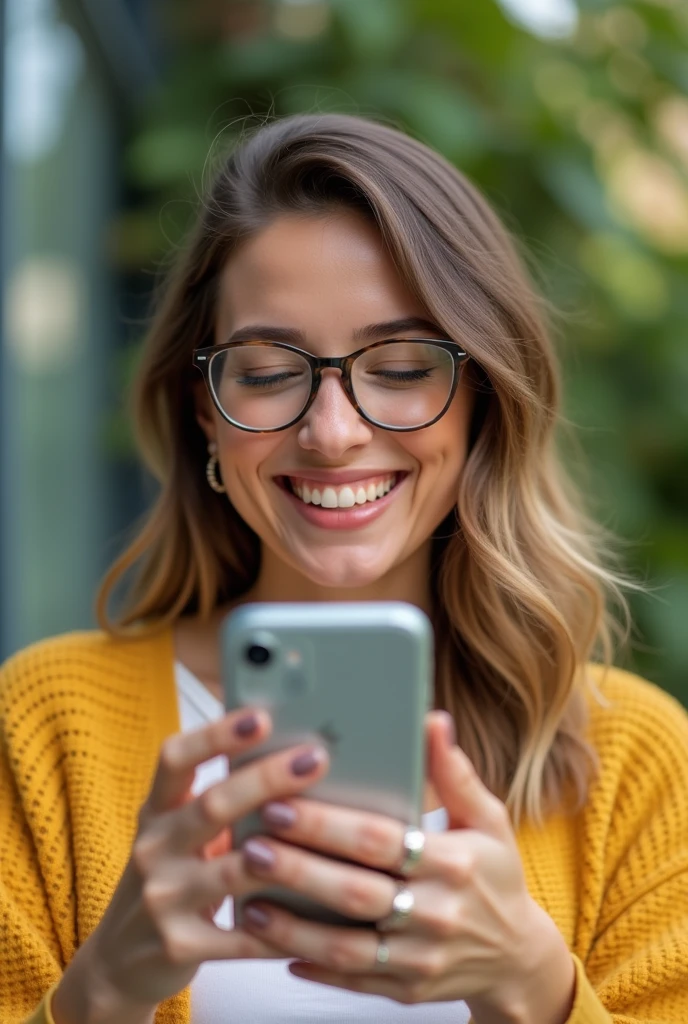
82 718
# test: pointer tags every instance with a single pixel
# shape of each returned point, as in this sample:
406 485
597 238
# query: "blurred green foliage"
581 143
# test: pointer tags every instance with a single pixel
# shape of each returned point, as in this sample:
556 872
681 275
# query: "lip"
344 518
341 476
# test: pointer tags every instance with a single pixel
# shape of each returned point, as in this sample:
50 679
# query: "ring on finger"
402 907
413 844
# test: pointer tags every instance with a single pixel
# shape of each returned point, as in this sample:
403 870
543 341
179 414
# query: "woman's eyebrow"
262 332
371 332
378 332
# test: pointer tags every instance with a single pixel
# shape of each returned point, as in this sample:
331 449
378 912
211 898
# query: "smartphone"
357 677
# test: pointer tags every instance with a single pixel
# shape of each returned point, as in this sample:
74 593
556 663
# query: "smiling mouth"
358 492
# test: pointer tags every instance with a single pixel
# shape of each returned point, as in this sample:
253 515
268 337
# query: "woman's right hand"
158 928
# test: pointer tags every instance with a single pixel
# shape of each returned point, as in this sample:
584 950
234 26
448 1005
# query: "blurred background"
571 116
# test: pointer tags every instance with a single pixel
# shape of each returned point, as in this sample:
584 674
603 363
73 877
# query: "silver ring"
382 952
402 906
413 843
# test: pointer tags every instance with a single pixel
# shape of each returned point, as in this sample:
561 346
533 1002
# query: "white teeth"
344 497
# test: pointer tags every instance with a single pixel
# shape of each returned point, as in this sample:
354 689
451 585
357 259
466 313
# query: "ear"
203 407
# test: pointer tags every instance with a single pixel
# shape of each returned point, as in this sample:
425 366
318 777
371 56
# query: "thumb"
468 802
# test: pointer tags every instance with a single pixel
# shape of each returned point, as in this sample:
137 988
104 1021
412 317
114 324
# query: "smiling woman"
331 235
330 276
349 352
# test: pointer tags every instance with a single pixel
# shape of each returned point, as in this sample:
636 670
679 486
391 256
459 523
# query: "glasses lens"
260 386
404 383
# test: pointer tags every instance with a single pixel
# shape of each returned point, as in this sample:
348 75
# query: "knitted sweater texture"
82 718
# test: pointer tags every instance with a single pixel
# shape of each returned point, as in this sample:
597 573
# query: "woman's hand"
158 928
474 932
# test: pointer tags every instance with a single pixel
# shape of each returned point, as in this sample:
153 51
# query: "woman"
552 882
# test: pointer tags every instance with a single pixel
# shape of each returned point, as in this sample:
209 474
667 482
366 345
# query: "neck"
410 581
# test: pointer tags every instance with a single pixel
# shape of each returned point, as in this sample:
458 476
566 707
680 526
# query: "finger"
468 802
356 892
371 839
369 984
346 950
408 988
190 940
190 827
182 753
360 893
194 885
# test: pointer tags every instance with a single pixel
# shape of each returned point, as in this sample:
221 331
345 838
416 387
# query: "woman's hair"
522 593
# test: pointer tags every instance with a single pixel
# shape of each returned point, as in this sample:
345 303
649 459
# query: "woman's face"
325 278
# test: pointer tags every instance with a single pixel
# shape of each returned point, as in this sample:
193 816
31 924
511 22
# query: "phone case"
355 676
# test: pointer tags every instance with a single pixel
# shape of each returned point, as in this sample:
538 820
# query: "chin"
342 572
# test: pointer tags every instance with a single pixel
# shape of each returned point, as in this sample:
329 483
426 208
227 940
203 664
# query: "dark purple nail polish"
306 762
246 726
258 854
279 815
254 915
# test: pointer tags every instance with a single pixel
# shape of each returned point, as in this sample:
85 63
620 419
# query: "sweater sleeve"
636 970
30 950
81 721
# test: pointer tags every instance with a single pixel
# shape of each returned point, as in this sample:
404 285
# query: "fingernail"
279 815
307 762
247 725
260 918
258 854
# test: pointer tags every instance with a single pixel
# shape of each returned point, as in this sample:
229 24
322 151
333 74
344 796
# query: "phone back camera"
256 654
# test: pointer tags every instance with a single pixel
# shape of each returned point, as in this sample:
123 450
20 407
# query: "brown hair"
522 594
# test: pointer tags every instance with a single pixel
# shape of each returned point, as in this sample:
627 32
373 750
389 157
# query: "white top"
263 991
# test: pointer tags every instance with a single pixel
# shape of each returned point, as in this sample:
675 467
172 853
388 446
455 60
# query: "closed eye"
403 376
267 381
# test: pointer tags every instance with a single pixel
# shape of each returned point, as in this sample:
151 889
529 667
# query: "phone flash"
293 659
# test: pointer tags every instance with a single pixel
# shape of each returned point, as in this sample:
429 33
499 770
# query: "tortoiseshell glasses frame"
203 358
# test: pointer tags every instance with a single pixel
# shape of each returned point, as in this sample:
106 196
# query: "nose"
332 426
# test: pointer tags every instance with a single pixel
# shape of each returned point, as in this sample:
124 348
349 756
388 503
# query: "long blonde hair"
522 581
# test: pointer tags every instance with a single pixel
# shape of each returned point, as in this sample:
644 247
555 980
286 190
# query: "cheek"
241 456
441 450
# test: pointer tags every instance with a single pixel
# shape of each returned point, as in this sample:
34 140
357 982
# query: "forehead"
312 272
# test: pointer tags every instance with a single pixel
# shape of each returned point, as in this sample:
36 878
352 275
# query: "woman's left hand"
474 932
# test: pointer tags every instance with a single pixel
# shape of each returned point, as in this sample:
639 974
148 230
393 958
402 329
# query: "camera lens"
257 654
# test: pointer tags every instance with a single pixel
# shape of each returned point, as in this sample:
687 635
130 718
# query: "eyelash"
273 380
404 375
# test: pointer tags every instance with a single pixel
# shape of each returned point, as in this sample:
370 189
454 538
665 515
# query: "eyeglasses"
264 386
